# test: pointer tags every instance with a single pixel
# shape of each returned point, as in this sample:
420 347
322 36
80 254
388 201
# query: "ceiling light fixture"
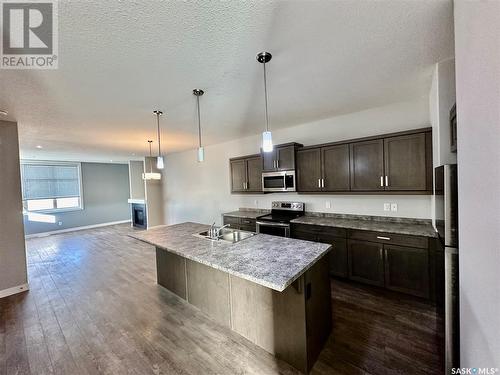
151 175
267 139
159 160
3 112
201 152
39 147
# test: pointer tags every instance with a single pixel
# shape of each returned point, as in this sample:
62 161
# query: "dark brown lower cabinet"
366 262
407 270
240 223
338 254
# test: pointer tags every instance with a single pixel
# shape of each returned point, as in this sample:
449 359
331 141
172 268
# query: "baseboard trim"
74 229
14 290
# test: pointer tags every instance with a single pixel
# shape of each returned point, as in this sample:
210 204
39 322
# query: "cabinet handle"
274 163
382 181
277 163
322 182
319 182
384 238
386 181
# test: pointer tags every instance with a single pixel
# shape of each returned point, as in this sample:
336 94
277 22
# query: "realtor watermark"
29 34
475 371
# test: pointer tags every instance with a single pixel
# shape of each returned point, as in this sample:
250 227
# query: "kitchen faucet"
214 232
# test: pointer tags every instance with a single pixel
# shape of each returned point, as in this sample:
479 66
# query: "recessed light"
3 112
39 147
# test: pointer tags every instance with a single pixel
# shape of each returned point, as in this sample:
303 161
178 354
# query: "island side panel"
171 272
208 290
273 320
318 308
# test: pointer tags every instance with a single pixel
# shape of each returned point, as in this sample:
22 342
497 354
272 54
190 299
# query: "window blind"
42 181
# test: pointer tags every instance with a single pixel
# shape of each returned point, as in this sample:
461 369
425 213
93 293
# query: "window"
51 186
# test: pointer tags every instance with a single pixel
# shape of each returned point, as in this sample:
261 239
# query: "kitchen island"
274 291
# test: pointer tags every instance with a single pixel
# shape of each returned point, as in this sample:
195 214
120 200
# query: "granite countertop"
246 214
271 261
391 225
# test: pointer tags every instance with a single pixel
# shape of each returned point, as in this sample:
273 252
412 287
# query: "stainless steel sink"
228 235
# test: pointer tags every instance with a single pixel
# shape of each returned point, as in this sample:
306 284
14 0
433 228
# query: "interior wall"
442 96
106 190
13 271
477 53
201 191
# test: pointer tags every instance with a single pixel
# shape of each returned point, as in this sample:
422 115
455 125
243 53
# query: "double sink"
228 235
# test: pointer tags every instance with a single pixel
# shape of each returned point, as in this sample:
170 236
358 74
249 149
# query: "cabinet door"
405 162
366 262
335 162
367 165
254 173
407 270
285 157
309 170
269 161
338 254
238 175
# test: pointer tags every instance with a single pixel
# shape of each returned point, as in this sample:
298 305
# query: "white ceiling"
119 60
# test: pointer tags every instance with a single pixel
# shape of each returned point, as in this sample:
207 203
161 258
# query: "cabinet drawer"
244 221
320 229
231 220
389 238
249 228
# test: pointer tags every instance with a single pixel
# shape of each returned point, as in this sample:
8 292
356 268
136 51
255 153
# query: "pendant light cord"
265 96
158 125
199 121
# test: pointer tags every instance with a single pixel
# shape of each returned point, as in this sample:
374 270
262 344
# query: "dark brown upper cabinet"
405 163
246 174
323 169
367 165
335 166
309 169
282 158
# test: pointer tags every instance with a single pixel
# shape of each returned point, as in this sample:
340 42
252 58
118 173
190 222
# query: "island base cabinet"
293 324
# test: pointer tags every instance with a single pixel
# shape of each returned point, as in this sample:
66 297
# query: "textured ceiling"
119 60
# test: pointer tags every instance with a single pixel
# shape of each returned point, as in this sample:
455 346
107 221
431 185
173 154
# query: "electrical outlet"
59 223
387 206
256 203
328 204
394 206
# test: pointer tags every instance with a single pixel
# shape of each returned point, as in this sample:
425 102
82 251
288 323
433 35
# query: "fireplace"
139 219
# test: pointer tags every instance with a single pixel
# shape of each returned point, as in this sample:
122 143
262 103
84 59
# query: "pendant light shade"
159 160
267 139
201 151
151 175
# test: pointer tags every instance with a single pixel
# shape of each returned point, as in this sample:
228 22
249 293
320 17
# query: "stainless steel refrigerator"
446 204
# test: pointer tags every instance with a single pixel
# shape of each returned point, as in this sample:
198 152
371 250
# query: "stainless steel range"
277 223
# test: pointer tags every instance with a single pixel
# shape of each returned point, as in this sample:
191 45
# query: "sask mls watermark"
29 34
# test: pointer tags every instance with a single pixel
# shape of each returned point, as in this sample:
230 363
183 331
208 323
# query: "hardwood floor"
94 308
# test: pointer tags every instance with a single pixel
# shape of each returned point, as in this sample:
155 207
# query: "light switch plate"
256 203
328 204
394 206
387 206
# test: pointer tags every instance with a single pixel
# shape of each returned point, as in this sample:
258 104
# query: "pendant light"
201 151
159 160
267 139
151 175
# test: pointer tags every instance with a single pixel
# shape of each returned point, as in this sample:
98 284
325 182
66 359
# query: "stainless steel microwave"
278 181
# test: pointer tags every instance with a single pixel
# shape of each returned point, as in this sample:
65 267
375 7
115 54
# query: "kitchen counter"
270 261
275 291
247 214
390 225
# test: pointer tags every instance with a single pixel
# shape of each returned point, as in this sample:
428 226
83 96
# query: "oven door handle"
272 224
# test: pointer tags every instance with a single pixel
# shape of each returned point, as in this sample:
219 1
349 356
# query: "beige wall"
201 191
12 250
477 54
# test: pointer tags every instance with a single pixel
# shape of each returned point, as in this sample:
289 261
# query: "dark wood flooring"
94 308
